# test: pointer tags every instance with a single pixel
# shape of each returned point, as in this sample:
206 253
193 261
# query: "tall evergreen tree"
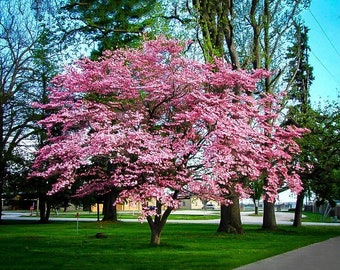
112 23
300 72
299 78
45 69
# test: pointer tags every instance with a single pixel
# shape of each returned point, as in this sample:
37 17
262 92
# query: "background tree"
249 34
322 147
300 77
31 53
111 24
18 34
320 153
271 23
256 194
45 58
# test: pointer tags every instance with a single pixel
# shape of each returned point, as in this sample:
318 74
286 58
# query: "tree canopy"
320 149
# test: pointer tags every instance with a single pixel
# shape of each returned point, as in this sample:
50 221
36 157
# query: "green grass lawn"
315 217
308 217
28 245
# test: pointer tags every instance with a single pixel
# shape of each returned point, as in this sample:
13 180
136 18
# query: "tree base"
101 235
230 230
269 219
269 228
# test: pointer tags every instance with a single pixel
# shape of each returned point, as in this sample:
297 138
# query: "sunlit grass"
184 246
315 217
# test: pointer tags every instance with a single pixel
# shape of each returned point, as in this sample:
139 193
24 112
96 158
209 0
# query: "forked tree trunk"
298 209
230 221
157 224
269 220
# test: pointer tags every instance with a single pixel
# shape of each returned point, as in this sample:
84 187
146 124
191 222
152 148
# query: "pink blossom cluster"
154 124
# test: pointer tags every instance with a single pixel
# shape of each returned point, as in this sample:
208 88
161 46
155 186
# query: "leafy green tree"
257 193
112 24
299 78
324 148
321 151
250 34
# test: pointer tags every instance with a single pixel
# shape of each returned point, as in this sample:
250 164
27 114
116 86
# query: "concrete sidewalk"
324 255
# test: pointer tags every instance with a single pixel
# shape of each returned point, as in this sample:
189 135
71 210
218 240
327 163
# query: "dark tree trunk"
230 221
256 207
48 211
2 156
65 204
298 209
269 220
109 209
156 235
98 216
3 173
1 191
44 208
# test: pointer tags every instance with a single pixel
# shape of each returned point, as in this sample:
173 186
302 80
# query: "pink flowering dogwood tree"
154 125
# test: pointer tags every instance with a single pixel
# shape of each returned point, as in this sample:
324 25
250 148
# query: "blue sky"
324 42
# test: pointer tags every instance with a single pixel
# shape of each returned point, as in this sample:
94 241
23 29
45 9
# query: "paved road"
282 218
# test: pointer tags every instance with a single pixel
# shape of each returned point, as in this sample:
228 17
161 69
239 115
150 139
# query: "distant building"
194 203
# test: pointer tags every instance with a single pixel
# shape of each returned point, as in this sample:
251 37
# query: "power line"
324 32
324 66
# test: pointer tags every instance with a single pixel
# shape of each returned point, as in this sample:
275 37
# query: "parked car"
209 206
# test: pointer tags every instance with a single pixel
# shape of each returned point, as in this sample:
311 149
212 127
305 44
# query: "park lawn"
316 217
28 245
309 217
